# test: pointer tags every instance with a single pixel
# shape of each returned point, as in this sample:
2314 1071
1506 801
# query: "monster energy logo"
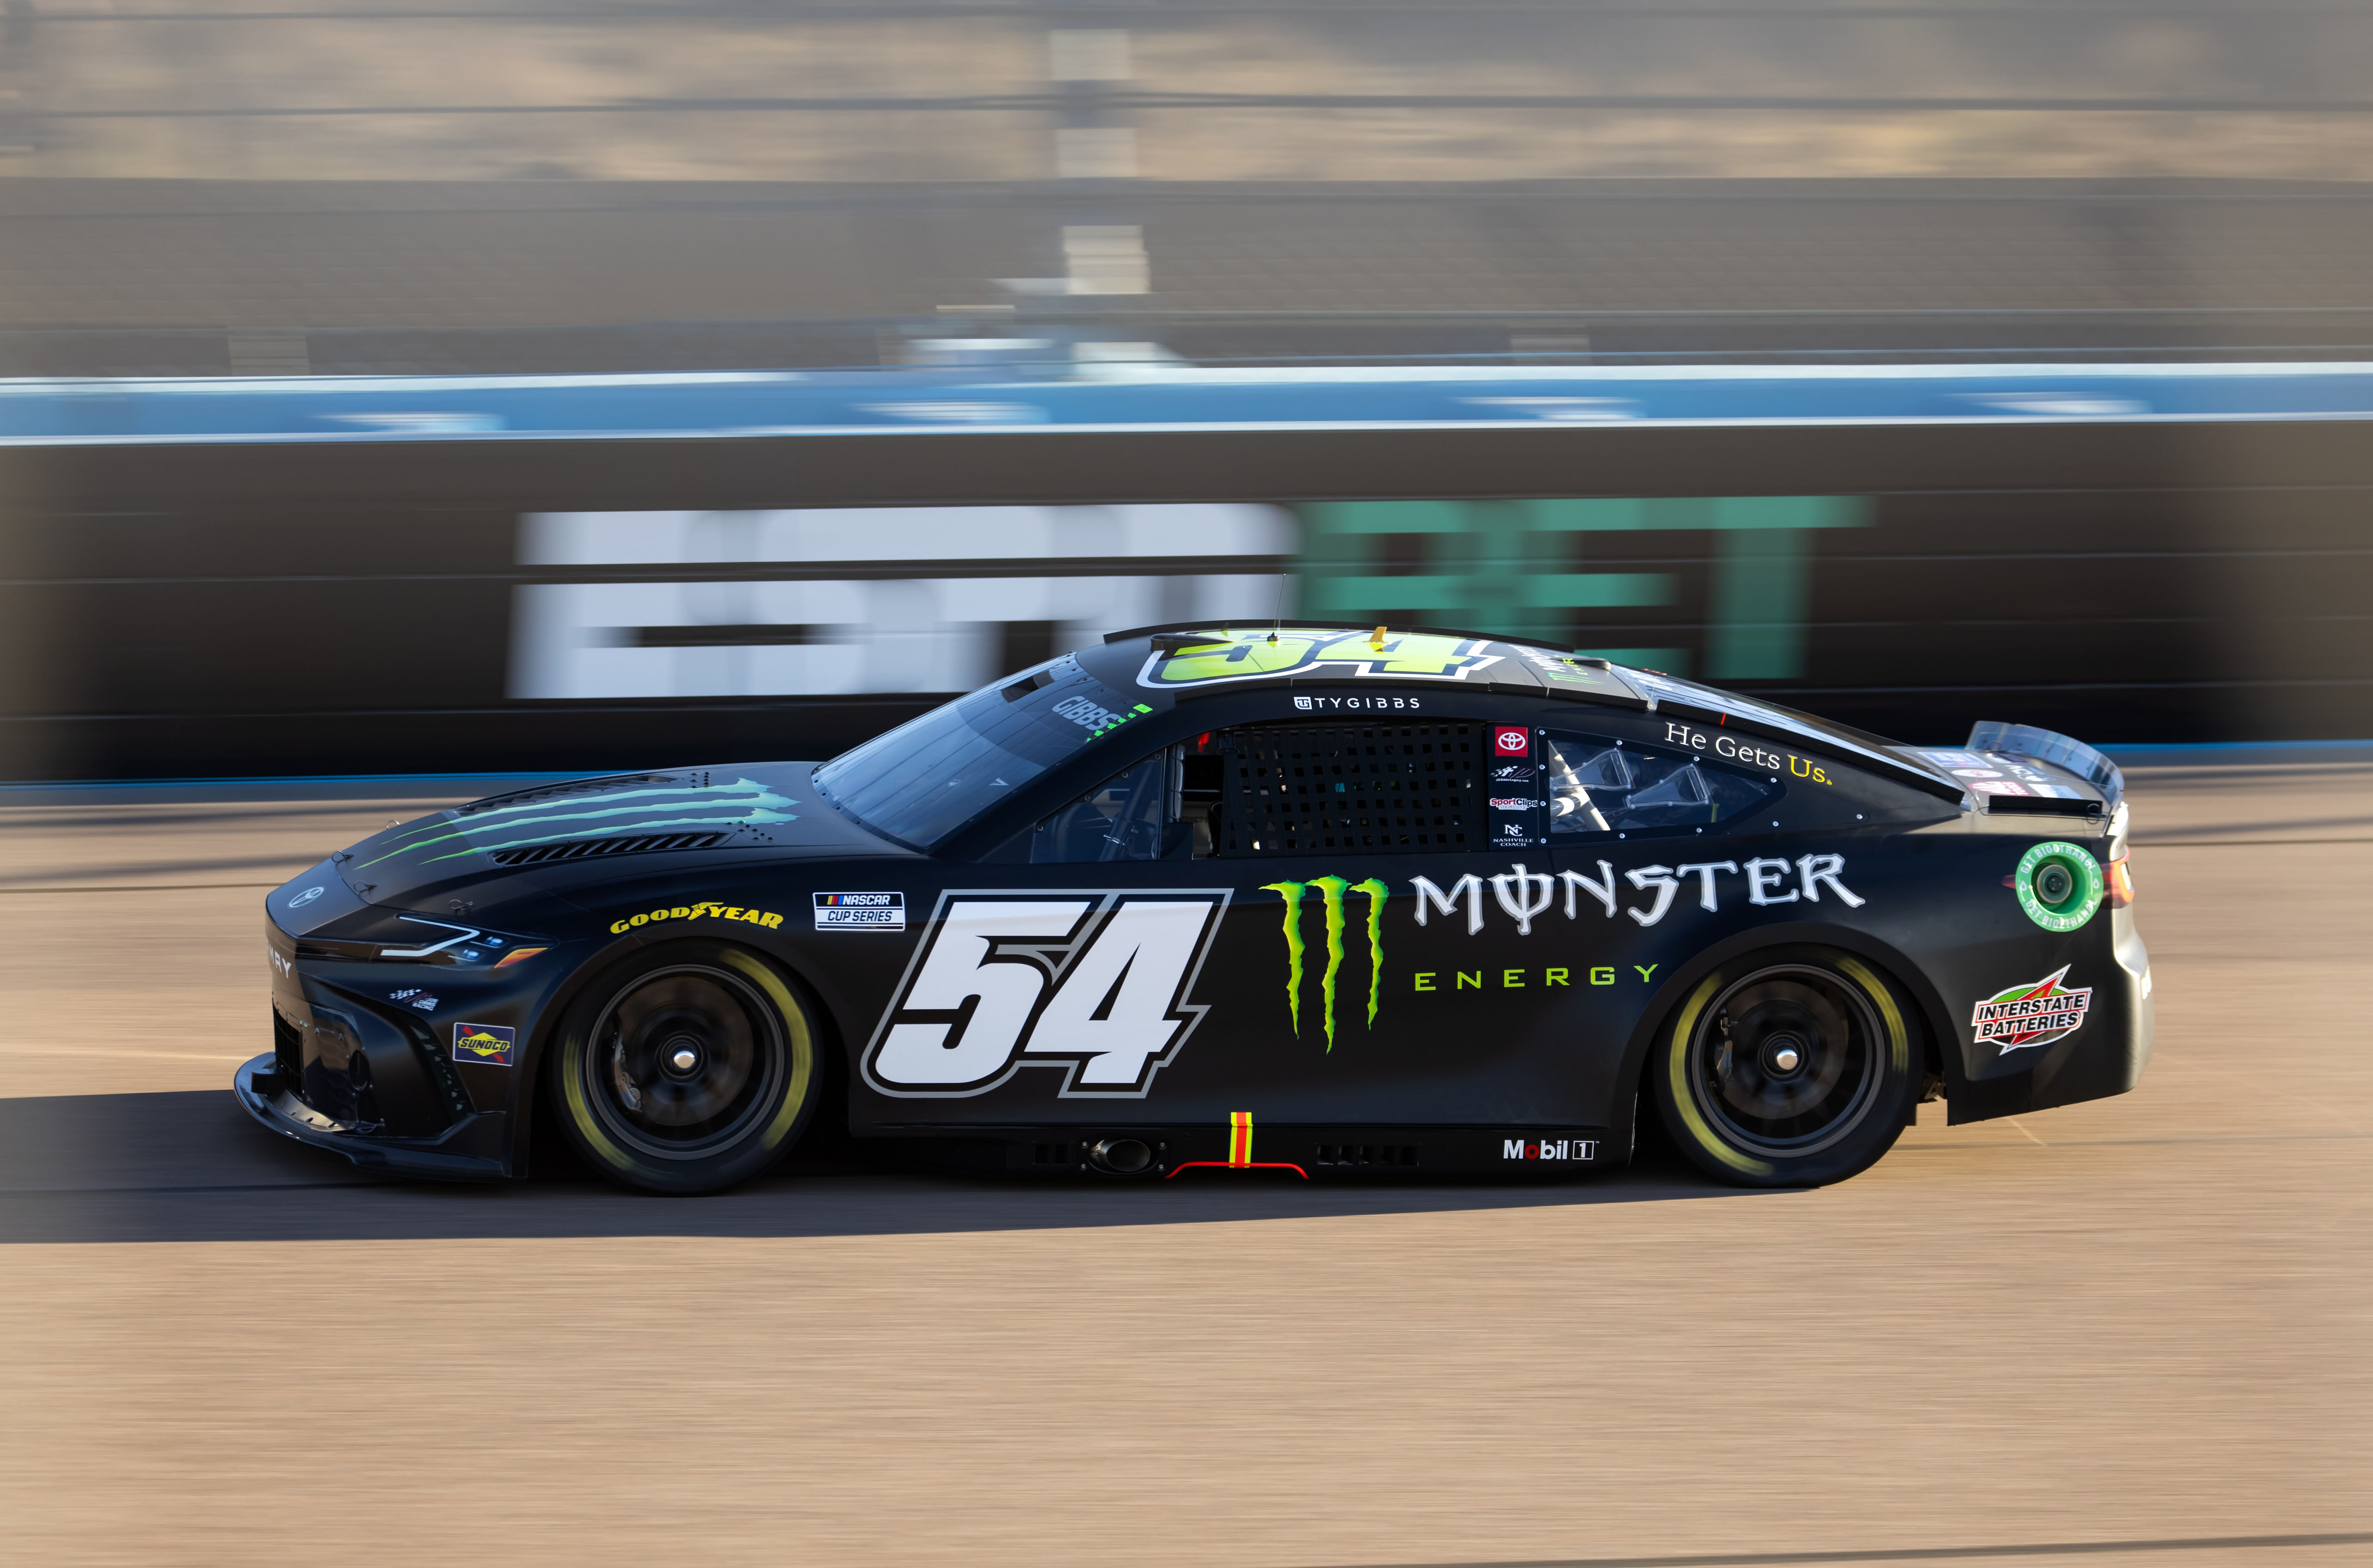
1331 890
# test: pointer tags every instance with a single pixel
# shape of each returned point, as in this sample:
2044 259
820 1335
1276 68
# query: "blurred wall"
425 606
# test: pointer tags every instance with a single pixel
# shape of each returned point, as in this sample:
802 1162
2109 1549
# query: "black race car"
1339 902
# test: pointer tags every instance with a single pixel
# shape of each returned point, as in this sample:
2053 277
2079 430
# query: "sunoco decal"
860 911
1092 981
1331 890
1254 655
488 1044
2034 1013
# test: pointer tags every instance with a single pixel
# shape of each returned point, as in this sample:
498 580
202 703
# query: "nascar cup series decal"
487 1045
860 911
2034 1013
1249 655
1093 982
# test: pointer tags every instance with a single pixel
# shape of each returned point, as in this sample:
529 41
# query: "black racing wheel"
1788 1067
686 1068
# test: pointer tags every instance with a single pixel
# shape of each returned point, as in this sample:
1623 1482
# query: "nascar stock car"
1311 899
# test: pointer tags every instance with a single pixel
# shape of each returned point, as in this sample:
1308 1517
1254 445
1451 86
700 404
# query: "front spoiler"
471 1150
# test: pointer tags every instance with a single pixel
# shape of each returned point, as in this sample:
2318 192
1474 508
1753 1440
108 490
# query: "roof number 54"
1093 982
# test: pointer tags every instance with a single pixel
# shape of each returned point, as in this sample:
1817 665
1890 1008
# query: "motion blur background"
964 196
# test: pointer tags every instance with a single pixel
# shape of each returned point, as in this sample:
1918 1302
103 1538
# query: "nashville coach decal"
2034 1013
1093 982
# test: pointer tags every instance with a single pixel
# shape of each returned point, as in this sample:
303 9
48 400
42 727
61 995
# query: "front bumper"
471 1150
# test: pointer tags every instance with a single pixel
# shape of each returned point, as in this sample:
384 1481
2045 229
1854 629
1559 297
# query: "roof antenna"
1279 624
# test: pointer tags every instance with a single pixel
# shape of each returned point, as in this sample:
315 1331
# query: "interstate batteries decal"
1251 655
2034 1013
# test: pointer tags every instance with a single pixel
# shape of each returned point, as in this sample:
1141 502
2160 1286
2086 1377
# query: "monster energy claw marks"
1331 890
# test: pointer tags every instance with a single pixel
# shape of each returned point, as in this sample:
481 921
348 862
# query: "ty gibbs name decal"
1354 704
1093 982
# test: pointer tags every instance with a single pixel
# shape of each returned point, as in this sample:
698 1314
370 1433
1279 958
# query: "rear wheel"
1788 1067
686 1068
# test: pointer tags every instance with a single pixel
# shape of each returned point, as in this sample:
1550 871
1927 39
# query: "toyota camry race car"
1312 899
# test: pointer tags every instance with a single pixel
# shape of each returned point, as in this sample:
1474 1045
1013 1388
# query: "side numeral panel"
1093 982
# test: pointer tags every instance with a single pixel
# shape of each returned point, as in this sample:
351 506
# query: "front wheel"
1791 1068
686 1068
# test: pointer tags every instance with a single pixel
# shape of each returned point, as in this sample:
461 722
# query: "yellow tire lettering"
1678 1058
795 1025
1899 1038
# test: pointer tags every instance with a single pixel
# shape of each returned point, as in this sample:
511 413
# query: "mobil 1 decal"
1356 984
1093 982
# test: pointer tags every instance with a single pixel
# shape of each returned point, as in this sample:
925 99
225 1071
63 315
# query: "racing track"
2140 1325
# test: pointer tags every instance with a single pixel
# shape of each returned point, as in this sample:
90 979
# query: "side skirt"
1242 1147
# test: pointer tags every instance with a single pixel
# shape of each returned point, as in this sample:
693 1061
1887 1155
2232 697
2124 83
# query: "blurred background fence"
968 194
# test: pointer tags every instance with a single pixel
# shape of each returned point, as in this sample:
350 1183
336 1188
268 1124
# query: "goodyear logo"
707 909
488 1044
1331 894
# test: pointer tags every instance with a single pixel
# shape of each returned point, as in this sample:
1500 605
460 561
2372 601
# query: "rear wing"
2046 745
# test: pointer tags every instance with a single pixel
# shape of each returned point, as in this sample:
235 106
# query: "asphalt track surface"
2134 1332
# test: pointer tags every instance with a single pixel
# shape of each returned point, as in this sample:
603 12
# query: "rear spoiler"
2046 745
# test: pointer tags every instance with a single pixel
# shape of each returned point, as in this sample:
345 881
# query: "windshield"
928 777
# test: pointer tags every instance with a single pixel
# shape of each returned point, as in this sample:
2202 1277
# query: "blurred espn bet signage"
1718 587
935 599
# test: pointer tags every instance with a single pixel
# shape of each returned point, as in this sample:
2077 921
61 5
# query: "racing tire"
1788 1067
686 1068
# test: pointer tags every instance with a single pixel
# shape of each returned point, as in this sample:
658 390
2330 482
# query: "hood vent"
601 786
585 849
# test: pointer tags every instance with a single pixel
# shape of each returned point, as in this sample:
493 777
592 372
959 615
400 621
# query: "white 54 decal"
1093 982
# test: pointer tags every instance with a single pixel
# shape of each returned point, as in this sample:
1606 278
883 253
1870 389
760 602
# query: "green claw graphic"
1291 892
1331 890
1377 893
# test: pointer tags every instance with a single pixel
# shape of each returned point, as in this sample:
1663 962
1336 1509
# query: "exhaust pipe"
1121 1156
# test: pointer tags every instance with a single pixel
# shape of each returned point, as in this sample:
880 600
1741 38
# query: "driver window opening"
1127 817
1603 785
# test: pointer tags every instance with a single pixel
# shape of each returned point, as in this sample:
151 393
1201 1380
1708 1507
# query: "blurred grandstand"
959 194
371 187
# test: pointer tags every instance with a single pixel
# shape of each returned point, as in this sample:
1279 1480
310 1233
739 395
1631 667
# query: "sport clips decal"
2034 1013
1093 982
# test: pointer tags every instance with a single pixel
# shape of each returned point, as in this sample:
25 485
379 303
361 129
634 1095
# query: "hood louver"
585 849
